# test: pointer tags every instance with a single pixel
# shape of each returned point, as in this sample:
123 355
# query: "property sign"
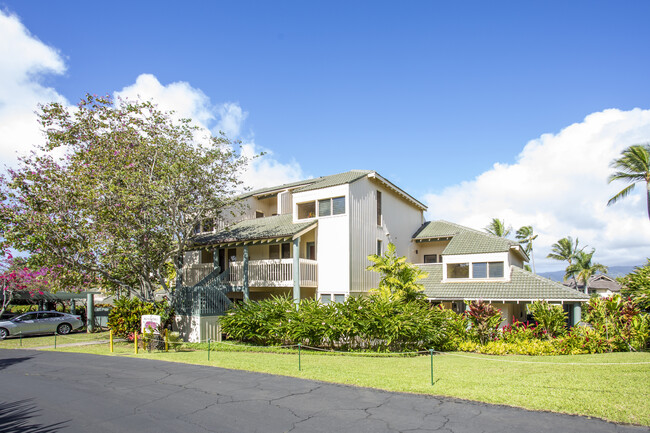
150 322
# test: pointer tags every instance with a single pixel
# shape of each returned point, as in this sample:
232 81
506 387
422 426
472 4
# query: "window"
259 214
208 225
326 298
379 248
311 250
325 207
207 256
431 258
378 208
458 270
331 206
338 205
274 251
479 270
306 210
286 251
232 254
496 269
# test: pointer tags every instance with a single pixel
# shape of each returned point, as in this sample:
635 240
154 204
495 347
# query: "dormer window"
477 270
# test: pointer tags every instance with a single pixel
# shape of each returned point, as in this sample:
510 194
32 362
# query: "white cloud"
265 171
228 117
231 119
559 185
180 97
24 61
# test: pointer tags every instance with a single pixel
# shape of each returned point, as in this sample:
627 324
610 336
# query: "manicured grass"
48 340
609 386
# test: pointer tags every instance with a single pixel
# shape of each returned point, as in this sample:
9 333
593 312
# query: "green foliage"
125 317
114 193
364 323
498 228
551 319
636 285
484 318
620 322
174 341
633 167
398 277
583 268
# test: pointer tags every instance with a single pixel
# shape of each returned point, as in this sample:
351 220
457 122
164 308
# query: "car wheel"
63 329
3 333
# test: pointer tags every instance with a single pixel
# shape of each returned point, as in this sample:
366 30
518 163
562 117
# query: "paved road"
47 392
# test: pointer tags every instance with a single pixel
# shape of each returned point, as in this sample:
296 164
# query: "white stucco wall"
332 240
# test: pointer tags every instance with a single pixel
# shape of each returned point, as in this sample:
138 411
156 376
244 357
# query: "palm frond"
621 194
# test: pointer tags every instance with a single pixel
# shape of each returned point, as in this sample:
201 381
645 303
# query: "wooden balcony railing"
261 273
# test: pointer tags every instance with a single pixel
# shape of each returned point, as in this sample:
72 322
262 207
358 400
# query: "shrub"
369 323
551 319
619 321
126 315
485 319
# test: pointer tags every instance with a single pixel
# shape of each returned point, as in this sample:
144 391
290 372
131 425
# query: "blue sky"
430 94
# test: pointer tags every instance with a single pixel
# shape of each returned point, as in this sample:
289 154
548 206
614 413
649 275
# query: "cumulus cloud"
24 62
229 118
559 186
266 171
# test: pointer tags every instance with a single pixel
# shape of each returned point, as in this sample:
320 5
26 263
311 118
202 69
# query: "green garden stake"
299 366
208 349
55 340
431 352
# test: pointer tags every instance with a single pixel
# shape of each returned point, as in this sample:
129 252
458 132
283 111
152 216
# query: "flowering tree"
14 277
115 192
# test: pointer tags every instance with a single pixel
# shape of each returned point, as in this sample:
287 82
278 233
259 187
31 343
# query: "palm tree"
498 228
526 237
633 167
565 250
583 268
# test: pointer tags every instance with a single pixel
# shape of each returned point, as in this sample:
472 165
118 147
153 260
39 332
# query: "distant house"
602 285
312 239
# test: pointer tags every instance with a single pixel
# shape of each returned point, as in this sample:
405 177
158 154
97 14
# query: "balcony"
261 273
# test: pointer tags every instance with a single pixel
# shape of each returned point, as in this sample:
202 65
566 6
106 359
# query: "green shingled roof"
280 226
523 285
315 183
335 179
464 240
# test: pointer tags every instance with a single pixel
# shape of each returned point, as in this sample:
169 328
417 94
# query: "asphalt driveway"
47 392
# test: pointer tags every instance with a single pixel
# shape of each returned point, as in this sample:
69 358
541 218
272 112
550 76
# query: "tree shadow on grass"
7 362
15 417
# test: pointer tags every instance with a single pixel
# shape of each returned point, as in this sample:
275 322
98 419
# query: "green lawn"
48 340
611 386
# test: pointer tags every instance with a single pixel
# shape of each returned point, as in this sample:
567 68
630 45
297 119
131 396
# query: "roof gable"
464 240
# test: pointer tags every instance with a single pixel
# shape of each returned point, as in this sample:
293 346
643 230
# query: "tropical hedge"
377 323
365 323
